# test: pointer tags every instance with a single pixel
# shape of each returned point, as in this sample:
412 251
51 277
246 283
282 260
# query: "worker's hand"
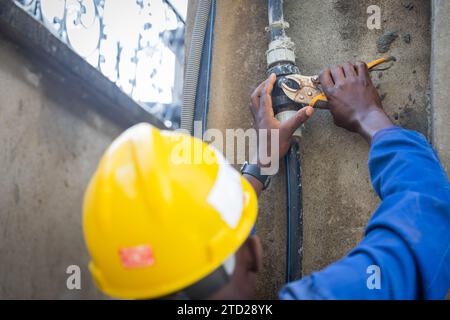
263 116
354 101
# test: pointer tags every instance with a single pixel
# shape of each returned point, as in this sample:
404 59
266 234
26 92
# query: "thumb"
297 120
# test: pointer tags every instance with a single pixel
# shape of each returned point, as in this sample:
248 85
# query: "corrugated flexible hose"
193 64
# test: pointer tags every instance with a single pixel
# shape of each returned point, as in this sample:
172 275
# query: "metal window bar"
86 27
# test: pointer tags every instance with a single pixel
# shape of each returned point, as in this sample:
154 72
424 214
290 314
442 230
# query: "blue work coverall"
405 251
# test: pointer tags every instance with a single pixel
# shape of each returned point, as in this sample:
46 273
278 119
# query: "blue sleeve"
405 251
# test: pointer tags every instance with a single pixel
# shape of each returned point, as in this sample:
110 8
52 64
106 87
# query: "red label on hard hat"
136 257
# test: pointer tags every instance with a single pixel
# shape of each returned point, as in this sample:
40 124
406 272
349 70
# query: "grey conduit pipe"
193 64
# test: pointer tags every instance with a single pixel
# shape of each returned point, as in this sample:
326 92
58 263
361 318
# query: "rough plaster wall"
338 199
51 142
440 74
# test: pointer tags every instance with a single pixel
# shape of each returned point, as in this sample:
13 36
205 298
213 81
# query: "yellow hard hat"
161 212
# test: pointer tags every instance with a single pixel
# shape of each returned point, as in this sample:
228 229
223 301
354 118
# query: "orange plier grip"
321 102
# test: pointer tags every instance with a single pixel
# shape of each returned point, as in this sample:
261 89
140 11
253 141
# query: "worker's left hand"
264 118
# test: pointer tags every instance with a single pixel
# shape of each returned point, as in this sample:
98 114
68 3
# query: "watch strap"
255 171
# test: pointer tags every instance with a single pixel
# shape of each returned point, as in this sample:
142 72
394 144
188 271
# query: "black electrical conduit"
294 247
294 212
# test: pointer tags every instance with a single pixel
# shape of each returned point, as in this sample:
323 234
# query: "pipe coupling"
280 50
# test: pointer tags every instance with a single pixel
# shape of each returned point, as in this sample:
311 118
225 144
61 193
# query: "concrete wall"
338 199
51 141
440 75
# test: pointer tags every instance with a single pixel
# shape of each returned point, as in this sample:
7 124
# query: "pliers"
309 91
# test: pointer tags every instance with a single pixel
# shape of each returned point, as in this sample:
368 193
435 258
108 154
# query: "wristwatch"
255 171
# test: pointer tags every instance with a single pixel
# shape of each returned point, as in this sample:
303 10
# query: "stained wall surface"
51 141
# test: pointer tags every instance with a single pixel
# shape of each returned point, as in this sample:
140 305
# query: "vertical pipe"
276 19
281 60
294 212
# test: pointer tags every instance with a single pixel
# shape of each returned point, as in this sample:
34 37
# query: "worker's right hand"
353 99
264 118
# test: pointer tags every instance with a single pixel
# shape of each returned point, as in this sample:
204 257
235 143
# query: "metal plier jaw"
309 91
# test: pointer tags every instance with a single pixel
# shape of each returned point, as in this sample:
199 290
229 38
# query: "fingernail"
309 111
